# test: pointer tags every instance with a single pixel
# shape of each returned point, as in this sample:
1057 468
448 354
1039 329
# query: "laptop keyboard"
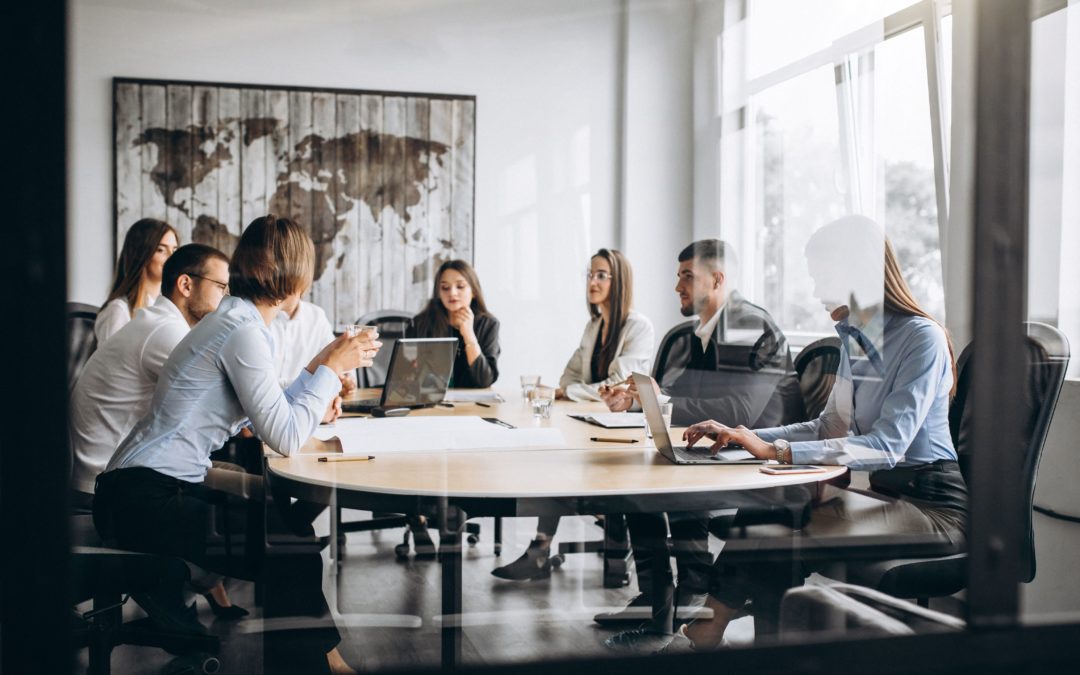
696 452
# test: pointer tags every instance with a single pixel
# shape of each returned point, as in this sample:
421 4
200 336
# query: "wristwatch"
783 451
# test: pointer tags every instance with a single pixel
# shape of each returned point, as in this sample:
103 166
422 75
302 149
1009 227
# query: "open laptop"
418 377
662 440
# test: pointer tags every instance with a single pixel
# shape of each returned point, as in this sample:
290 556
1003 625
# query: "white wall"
546 76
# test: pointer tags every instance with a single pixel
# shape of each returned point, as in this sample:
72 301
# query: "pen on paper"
483 405
613 440
347 459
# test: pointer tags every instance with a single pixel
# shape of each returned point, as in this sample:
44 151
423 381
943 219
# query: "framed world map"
382 180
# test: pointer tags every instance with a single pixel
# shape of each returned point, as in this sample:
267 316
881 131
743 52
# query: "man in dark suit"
732 365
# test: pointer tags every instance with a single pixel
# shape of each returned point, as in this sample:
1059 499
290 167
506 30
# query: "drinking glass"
541 399
528 383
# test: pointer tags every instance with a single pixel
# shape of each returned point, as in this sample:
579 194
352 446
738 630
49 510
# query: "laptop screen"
653 417
419 373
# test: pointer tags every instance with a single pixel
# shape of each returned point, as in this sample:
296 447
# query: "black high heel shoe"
534 563
230 613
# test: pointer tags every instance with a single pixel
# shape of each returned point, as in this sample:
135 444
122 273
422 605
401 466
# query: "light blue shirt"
221 376
890 404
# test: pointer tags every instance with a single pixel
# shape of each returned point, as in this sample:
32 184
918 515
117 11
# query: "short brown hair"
274 259
190 259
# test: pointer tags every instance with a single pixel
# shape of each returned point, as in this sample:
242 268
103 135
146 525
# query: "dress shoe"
534 563
637 610
230 613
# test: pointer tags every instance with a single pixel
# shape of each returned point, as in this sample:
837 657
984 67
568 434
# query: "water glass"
541 399
528 383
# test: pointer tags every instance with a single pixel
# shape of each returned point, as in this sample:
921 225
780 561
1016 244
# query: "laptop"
662 440
418 377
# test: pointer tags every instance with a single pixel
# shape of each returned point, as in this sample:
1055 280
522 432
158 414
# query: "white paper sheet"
434 434
620 420
472 396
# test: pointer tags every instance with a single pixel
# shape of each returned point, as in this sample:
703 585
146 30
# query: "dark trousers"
143 510
652 561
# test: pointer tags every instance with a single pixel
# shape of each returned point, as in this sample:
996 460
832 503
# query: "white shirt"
220 377
115 315
705 331
116 386
298 339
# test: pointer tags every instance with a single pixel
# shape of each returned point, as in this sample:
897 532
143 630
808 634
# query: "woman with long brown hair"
617 341
147 245
457 309
887 414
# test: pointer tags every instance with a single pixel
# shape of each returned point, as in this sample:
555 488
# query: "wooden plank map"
383 181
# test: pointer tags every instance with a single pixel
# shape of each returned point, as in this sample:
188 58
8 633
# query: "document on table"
472 396
359 435
620 420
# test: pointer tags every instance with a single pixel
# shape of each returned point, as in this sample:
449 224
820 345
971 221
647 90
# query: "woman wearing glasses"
616 342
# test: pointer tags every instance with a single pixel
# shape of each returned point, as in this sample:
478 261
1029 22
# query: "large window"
840 106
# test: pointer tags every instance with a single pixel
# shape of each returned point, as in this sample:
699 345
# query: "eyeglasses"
224 287
599 276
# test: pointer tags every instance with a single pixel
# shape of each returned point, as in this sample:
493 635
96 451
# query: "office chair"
392 325
815 367
1047 358
81 339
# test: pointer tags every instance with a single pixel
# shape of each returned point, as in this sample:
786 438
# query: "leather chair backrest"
663 352
816 367
1047 357
392 325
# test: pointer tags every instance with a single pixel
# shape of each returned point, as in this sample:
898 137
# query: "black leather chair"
392 324
815 367
1047 358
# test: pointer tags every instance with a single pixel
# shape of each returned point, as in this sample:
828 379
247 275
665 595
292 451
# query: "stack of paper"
434 434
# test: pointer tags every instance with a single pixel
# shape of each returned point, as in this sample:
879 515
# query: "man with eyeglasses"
117 385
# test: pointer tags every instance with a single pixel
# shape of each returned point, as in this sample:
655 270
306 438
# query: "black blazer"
484 370
744 376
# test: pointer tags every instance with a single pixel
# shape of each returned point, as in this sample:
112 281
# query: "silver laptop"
662 440
419 374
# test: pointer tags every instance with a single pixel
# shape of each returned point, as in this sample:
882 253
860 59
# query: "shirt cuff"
323 381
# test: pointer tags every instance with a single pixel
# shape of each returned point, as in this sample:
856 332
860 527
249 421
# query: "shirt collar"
166 305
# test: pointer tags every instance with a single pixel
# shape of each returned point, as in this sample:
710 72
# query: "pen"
613 440
444 404
346 459
483 405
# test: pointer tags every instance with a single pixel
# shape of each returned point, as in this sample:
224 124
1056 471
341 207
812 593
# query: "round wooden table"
583 477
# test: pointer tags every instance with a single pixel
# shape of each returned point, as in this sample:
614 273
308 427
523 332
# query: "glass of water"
528 383
541 399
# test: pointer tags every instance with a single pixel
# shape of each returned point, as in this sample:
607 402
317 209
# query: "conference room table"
580 476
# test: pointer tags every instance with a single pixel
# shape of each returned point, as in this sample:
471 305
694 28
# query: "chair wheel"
402 550
557 560
193 664
472 539
498 549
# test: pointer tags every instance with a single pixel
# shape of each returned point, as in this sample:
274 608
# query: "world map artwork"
383 182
